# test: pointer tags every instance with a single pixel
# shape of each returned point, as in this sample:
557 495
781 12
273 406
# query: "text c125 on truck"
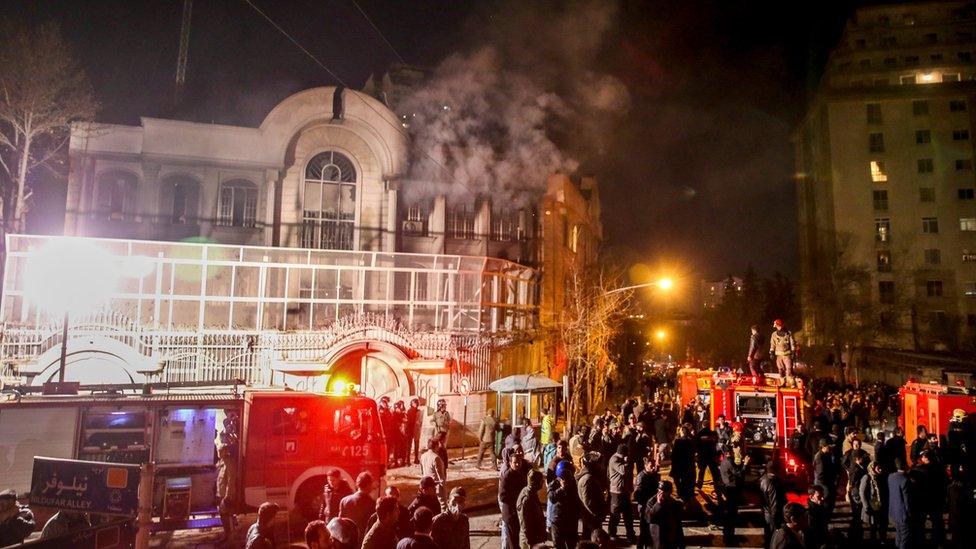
253 445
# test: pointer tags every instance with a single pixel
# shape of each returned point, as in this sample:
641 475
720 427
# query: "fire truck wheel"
308 500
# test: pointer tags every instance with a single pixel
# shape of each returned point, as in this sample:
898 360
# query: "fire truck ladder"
791 415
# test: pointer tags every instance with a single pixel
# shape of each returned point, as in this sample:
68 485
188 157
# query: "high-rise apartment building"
886 187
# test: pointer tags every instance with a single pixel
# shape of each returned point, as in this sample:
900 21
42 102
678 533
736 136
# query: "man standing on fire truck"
783 347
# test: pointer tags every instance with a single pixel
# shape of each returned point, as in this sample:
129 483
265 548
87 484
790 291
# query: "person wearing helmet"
959 442
782 346
566 507
441 420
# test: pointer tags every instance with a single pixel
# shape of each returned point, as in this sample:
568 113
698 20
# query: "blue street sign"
85 486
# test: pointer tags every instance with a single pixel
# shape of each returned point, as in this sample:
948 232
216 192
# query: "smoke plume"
526 101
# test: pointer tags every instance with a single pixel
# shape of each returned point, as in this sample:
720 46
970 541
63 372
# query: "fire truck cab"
931 405
280 444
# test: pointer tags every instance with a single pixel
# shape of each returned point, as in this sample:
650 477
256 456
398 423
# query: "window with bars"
930 225
504 226
967 193
460 222
967 224
925 165
329 202
933 256
933 288
960 135
416 221
957 105
926 194
237 204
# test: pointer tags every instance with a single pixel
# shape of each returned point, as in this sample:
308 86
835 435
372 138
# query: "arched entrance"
93 360
376 366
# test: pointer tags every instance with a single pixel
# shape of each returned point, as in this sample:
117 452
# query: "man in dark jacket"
895 447
621 487
510 484
818 518
790 535
261 534
382 533
16 521
683 464
426 497
733 476
706 445
359 506
961 509
532 519
593 490
855 474
825 473
645 493
451 529
566 508
666 515
420 539
919 444
334 490
773 496
900 505
930 488
755 350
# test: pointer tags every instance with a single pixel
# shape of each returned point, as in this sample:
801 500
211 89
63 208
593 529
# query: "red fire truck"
931 405
768 413
286 442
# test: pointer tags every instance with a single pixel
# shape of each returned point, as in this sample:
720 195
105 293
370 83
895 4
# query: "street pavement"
482 490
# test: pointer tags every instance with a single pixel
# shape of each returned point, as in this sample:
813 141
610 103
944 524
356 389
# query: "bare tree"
43 91
591 319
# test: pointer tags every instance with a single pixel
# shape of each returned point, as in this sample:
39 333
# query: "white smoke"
498 120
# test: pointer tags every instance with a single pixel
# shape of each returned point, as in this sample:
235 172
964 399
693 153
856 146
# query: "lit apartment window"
911 60
882 229
960 135
964 164
876 142
969 290
925 165
878 173
933 256
880 200
920 108
930 225
950 77
886 291
933 288
967 194
965 56
874 113
926 194
908 19
237 204
967 223
957 105
884 261
923 136
907 79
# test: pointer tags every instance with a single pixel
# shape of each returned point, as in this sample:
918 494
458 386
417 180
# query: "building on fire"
287 253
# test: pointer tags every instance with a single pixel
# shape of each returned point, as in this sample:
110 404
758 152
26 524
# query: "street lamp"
664 284
661 334
69 276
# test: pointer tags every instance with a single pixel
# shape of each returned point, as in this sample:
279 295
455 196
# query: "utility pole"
184 48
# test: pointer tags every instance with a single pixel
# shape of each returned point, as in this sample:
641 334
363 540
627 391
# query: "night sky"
696 175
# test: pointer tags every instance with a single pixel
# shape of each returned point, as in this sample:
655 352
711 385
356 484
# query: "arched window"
179 199
116 195
237 204
329 202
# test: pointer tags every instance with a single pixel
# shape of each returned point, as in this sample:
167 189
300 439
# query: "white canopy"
523 384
